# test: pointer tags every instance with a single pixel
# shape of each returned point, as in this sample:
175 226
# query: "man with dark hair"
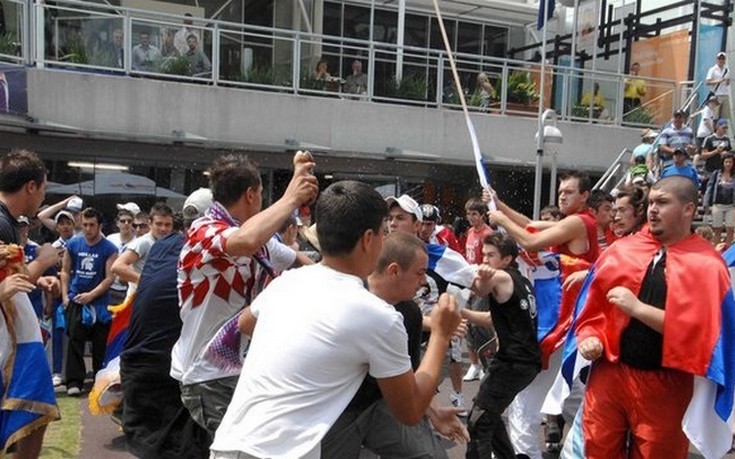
86 278
367 421
130 263
145 361
309 355
574 247
601 203
145 56
650 327
224 265
518 360
22 190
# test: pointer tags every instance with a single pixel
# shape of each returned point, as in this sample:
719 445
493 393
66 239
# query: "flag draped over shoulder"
698 332
556 337
28 399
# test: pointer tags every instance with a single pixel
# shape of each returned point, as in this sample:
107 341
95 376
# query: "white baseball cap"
131 207
197 203
75 204
65 214
406 203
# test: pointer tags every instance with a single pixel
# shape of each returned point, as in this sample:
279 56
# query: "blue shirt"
687 170
88 270
35 295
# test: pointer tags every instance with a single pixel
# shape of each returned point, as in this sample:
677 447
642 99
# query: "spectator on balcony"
168 49
485 90
635 88
594 100
357 82
145 56
322 70
118 48
199 64
181 38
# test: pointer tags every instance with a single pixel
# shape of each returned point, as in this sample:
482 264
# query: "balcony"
260 87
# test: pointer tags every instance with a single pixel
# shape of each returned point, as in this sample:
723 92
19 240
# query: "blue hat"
722 122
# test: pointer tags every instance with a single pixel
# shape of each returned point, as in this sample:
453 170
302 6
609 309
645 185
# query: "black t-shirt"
155 324
8 226
641 346
515 323
369 392
714 163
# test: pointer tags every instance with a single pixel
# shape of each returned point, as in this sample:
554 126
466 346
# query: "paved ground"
103 439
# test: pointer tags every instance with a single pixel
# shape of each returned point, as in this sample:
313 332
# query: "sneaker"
73 391
56 379
473 373
457 399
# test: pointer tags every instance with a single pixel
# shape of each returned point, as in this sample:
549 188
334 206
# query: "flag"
542 18
450 265
106 393
699 328
28 399
543 269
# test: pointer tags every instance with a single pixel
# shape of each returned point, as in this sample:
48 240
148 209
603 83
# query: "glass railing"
14 38
72 34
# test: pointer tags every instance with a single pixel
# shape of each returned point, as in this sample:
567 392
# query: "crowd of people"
256 333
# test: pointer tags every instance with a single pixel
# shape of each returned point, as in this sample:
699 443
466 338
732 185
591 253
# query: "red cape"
697 281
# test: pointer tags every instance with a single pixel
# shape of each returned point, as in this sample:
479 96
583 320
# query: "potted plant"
75 51
175 65
9 44
409 87
521 90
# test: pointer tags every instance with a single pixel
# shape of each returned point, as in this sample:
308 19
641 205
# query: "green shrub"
410 87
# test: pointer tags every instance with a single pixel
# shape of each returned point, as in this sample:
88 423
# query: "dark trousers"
629 104
171 432
502 383
79 334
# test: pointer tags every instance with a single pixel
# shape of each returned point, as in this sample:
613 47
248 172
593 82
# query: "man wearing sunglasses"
142 224
718 79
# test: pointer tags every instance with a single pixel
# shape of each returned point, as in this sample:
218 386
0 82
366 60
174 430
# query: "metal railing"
15 42
78 35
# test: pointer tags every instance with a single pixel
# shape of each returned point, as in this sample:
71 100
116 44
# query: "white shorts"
723 213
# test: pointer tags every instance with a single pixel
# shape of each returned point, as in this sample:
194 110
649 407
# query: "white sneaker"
56 379
473 373
457 399
73 391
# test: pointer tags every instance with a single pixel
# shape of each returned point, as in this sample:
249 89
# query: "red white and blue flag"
699 329
28 399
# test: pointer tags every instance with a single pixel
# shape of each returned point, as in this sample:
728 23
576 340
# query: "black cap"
430 213
680 151
681 112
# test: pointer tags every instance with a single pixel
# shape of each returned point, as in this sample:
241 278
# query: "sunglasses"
721 58
140 225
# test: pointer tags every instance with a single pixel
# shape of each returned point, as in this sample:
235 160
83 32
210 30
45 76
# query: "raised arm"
565 231
257 230
46 216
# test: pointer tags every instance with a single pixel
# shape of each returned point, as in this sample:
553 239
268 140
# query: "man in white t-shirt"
226 261
310 353
125 215
129 265
718 79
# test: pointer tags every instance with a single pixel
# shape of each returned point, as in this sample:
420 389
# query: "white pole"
401 22
540 137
